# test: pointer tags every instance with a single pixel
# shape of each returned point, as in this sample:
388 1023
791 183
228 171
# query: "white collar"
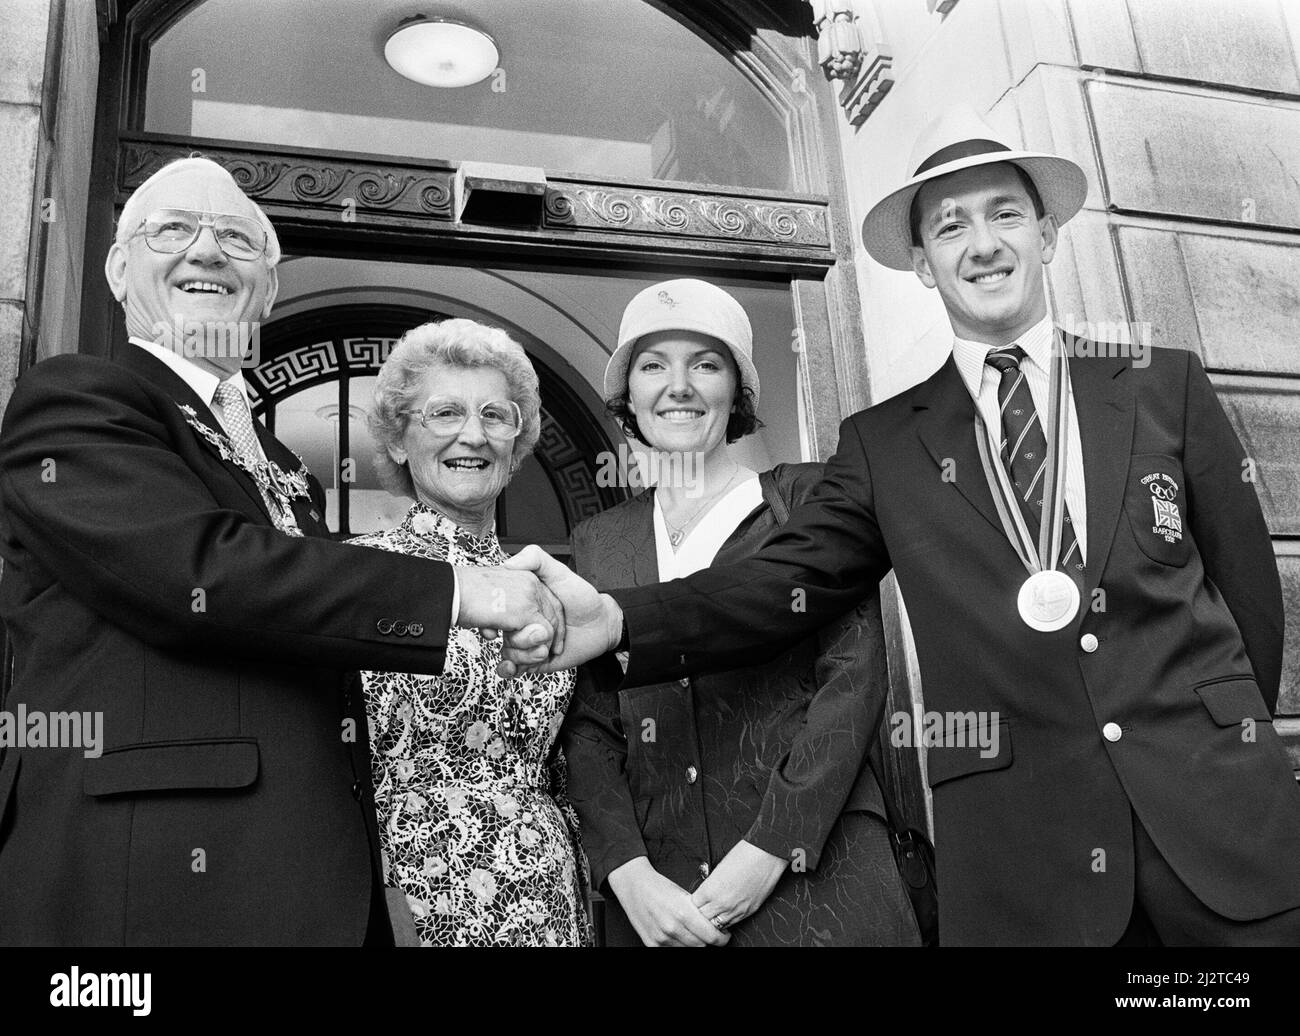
705 539
204 383
970 356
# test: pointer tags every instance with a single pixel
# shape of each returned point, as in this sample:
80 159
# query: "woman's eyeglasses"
169 231
500 419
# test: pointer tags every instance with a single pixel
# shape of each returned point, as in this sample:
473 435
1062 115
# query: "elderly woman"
468 778
738 803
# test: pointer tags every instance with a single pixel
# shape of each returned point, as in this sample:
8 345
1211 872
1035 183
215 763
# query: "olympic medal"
1048 601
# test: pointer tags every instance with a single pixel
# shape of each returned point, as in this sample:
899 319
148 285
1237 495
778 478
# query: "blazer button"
356 790
1111 732
685 681
1088 642
692 775
704 870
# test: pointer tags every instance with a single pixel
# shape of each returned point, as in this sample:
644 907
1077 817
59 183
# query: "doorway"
665 138
337 319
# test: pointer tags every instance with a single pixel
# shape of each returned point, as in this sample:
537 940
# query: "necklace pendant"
675 538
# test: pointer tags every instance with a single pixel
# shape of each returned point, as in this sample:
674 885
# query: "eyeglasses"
169 231
499 418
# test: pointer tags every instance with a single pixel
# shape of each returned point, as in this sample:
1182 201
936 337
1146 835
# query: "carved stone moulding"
685 214
850 49
355 188
859 98
367 193
839 42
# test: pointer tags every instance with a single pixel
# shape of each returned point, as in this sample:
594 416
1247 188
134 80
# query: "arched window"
321 365
603 88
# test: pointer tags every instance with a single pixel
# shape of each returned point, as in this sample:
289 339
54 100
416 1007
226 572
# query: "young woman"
737 804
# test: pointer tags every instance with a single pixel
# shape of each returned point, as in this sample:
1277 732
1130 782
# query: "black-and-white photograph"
650 473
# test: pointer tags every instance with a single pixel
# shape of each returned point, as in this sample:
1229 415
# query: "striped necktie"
1024 453
239 426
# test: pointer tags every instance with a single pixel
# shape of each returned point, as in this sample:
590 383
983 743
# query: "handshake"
550 617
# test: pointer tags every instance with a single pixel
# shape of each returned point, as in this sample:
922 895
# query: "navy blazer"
143 579
1178 646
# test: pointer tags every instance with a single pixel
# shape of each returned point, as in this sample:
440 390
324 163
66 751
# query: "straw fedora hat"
956 140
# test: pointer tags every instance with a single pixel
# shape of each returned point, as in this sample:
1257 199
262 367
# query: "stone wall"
49 63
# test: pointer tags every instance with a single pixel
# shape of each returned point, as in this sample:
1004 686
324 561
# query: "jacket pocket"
1231 699
173 766
8 781
659 730
1156 505
949 762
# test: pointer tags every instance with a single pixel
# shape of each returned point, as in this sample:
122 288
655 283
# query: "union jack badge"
1168 519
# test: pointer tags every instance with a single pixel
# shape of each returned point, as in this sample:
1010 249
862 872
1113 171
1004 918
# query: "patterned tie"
1024 452
239 426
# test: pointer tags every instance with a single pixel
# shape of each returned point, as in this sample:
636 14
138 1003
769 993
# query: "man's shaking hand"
592 622
493 600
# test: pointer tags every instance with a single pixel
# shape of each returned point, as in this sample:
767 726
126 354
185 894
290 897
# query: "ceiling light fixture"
441 53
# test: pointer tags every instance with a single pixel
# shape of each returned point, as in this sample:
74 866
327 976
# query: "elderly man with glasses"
167 572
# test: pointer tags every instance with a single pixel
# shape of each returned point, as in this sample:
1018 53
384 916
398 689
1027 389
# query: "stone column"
49 63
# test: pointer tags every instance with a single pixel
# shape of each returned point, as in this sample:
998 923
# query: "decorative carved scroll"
853 53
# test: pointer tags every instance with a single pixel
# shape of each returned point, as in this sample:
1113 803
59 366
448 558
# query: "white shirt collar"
1036 342
204 383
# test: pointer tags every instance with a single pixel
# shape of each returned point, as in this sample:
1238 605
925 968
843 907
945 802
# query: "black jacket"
1156 699
143 579
772 753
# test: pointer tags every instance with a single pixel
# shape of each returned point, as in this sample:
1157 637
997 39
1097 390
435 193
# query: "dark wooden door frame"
403 210
407 204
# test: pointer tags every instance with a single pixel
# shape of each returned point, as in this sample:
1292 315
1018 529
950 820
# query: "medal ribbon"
1047 552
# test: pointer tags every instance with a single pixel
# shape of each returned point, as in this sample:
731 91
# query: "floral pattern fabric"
469 782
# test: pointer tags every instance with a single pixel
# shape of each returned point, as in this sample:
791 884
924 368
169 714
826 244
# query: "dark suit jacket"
1035 843
771 753
143 580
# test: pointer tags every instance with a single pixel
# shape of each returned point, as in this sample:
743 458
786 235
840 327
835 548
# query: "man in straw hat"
1089 579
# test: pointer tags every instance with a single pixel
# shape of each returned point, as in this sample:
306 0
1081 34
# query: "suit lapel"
946 415
624 551
158 373
645 559
164 378
1103 401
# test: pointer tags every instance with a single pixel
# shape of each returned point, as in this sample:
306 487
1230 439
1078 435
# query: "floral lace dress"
469 783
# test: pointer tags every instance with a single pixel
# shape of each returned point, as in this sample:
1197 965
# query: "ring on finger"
719 924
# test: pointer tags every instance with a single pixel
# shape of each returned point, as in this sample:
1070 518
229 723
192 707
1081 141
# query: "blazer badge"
1164 496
